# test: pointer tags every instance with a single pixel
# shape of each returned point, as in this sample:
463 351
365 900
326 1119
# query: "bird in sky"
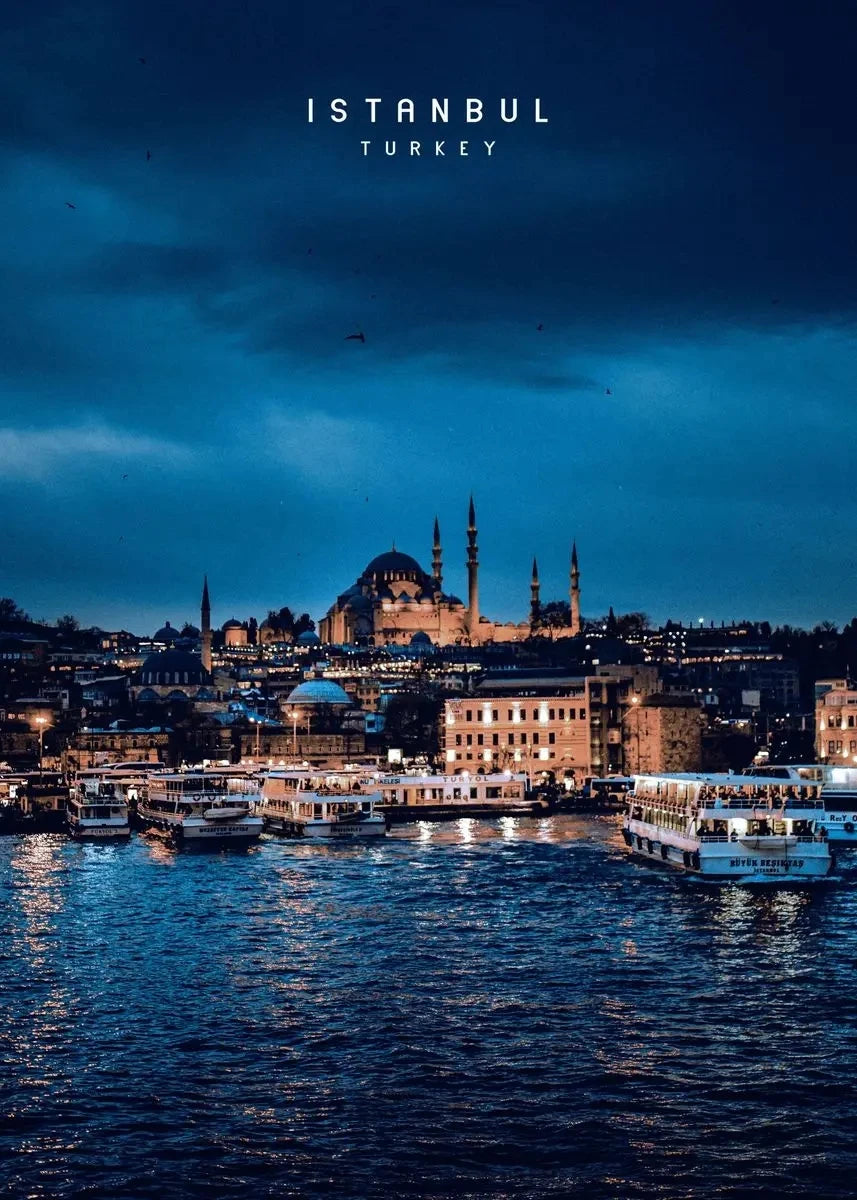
356 337
124 476
148 155
607 392
142 60
540 328
69 204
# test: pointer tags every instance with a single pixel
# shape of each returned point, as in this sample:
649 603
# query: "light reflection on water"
505 1009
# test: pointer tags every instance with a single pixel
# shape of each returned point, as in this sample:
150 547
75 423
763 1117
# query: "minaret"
437 559
534 596
205 626
472 576
575 592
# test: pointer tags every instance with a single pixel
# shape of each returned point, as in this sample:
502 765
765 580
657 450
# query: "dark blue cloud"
682 229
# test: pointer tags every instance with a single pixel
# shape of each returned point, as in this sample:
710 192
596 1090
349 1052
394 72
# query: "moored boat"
198 808
328 805
737 828
97 806
427 797
838 792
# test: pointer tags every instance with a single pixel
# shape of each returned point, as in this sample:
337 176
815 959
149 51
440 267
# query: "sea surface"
478 1009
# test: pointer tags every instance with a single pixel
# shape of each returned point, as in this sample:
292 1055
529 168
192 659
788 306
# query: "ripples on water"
485 1010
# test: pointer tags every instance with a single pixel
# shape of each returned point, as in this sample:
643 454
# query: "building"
571 725
836 721
663 733
94 747
235 634
172 675
394 599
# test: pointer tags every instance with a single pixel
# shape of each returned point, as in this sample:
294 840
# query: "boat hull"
325 831
98 833
841 826
725 862
198 832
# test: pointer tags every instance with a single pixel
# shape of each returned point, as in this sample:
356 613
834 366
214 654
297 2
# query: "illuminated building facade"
395 599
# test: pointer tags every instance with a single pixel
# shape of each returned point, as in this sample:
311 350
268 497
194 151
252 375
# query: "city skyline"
631 325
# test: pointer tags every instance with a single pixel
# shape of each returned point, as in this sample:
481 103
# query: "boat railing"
750 804
734 838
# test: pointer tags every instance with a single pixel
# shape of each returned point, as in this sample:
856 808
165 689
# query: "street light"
636 700
294 714
43 724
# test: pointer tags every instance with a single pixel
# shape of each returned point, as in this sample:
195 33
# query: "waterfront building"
95 747
571 725
836 721
662 733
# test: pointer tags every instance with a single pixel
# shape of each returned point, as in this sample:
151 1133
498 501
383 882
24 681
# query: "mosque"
395 601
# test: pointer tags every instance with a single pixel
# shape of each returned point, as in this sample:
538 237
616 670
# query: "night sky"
683 229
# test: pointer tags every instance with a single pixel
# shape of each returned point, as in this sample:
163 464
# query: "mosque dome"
308 638
167 633
318 691
421 639
394 563
170 668
231 624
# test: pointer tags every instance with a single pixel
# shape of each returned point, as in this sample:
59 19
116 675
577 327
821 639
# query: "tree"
9 610
304 624
554 616
412 722
252 631
68 625
282 621
632 623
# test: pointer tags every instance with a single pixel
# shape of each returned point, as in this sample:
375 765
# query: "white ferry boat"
426 796
838 792
198 808
97 806
740 828
313 804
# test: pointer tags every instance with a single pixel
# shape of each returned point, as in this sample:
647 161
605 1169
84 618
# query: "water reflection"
478 1008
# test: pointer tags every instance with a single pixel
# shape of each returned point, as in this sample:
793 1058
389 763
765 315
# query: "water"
472 1010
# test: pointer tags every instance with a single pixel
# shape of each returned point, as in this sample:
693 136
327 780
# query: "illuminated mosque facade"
395 602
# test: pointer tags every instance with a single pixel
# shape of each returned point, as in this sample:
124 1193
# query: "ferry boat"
739 828
97 806
197 808
329 805
838 791
431 797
